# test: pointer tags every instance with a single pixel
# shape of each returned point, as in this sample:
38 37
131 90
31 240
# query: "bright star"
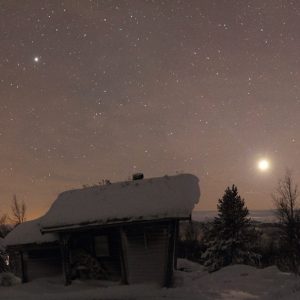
36 59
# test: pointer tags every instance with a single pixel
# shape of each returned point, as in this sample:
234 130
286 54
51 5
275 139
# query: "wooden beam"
176 239
170 255
29 247
23 268
117 223
65 253
123 256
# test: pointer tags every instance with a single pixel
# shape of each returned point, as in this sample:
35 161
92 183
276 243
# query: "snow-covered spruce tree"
231 235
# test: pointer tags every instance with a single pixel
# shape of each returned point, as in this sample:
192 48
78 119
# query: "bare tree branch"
285 200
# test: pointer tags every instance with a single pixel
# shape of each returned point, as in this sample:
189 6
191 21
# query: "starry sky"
103 89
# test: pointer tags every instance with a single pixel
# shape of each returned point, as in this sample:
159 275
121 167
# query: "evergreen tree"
231 236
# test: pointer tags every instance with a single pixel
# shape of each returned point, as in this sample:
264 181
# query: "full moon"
36 59
263 165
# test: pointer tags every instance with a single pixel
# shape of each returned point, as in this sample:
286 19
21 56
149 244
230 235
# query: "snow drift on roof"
28 233
147 199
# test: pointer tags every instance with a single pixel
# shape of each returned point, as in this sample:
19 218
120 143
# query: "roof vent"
137 176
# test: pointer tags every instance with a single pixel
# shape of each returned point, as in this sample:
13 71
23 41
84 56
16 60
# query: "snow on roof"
147 199
28 233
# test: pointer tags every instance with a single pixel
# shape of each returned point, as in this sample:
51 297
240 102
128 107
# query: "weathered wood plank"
176 243
65 253
170 255
23 268
123 256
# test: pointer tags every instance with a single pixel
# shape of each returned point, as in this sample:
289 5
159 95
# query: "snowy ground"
234 282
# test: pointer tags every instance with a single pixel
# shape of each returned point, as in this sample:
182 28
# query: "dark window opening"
101 246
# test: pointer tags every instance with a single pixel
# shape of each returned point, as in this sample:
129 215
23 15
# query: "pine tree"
231 235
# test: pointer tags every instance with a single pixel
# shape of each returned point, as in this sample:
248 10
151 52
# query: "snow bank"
28 233
9 279
237 282
147 199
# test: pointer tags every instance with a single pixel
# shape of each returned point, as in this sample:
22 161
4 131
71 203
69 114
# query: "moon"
36 59
263 165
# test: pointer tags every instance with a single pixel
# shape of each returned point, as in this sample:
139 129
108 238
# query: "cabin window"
101 246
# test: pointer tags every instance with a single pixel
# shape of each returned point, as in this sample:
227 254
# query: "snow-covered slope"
237 282
147 199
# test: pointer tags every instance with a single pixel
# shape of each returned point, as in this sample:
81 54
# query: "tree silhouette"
18 211
231 235
287 210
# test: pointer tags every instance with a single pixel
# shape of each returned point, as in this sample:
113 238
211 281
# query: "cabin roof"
129 201
28 233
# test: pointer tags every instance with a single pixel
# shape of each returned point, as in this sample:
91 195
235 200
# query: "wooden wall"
35 261
147 253
133 253
42 263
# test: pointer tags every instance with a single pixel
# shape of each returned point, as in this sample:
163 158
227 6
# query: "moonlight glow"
263 165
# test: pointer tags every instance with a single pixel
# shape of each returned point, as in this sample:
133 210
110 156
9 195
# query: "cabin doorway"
95 255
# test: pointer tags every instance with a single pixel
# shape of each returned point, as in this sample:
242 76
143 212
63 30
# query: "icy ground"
234 282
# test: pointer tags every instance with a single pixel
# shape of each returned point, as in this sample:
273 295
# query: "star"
139 84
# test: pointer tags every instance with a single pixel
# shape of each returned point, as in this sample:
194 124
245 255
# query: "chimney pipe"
138 176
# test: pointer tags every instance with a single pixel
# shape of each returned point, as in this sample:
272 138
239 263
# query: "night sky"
102 89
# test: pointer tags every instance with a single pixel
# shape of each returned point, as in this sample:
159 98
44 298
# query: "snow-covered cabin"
124 231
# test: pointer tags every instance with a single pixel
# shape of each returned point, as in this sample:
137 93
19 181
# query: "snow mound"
147 199
9 279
